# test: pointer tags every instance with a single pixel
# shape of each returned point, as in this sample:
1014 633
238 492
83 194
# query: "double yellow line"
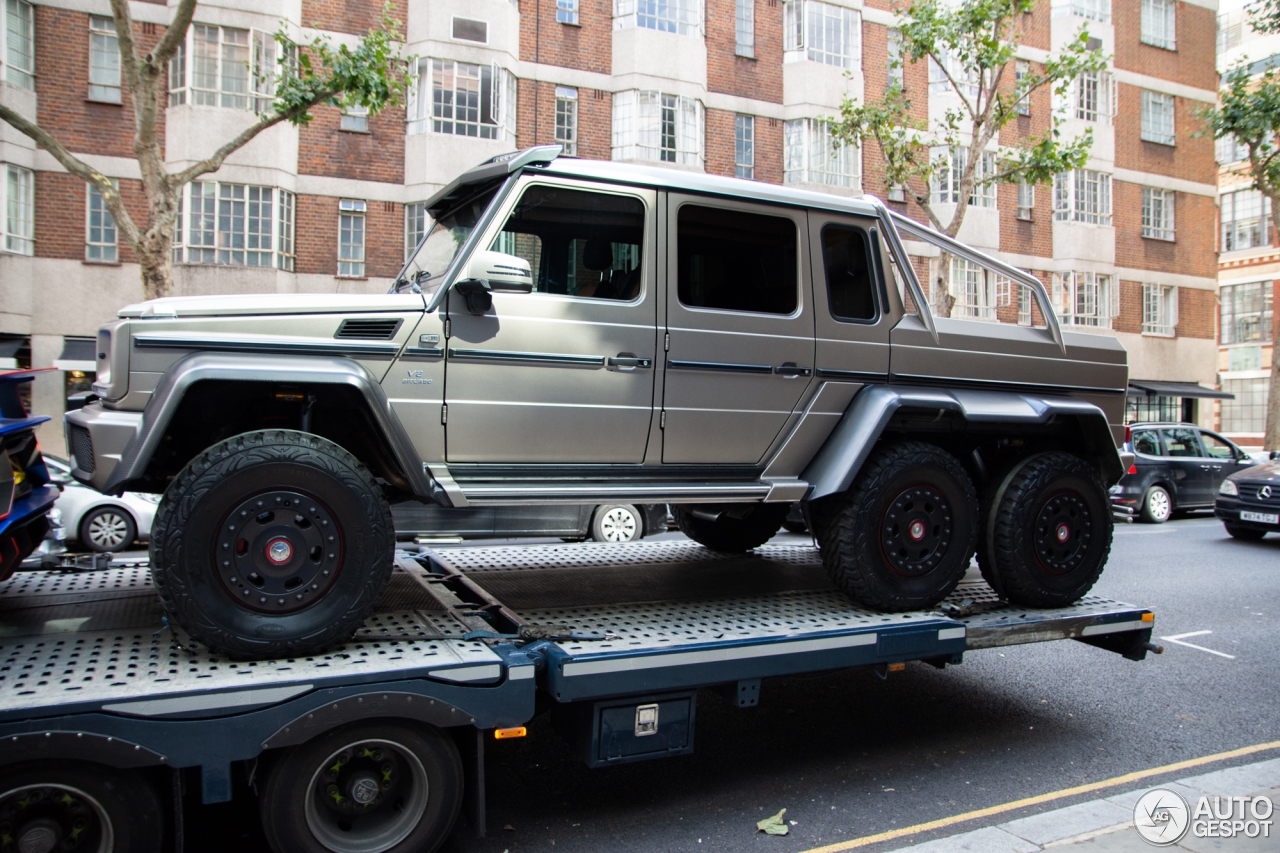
1136 776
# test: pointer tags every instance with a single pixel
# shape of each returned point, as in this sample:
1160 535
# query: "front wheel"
272 544
1248 534
617 523
735 529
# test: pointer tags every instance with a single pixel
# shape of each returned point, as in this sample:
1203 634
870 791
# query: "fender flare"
836 465
291 369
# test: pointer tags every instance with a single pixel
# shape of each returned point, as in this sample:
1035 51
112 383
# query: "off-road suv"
571 331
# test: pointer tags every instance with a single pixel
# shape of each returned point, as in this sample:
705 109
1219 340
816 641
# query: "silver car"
98 522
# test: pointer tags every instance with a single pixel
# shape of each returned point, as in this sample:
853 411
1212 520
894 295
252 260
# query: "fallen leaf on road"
773 825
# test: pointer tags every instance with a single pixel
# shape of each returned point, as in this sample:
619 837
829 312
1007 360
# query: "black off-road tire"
867 537
1023 558
734 535
294 821
112 809
1248 534
196 513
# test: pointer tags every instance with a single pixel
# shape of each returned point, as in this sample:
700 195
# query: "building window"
466 29
1247 413
811 155
355 119
1246 216
1230 31
973 287
1158 23
1082 195
1228 149
1246 313
19 206
1022 79
1157 213
1094 10
1024 305
667 16
567 11
415 226
1026 199
567 119
20 44
744 25
949 166
897 192
1159 309
1085 298
650 125
351 238
822 33
220 66
236 225
1157 117
104 60
744 146
1092 97
1153 409
463 99
895 59
101 240
952 71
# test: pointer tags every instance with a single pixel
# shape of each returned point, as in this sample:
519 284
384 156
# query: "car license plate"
1260 517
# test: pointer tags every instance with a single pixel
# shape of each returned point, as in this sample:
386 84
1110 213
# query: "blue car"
27 492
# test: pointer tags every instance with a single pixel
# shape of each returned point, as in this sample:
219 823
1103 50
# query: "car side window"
848 268
1217 447
736 261
577 243
1146 443
1181 442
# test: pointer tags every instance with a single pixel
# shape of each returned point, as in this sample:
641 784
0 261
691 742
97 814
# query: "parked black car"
1249 501
603 522
1177 467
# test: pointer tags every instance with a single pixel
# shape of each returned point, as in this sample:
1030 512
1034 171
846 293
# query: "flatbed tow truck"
99 695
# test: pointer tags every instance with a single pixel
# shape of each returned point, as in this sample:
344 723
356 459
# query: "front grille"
368 330
82 448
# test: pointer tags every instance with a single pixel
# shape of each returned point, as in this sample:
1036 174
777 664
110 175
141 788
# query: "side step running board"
588 492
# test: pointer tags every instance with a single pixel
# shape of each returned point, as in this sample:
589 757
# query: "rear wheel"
272 544
1157 505
108 529
731 532
617 523
902 537
370 787
51 806
1248 534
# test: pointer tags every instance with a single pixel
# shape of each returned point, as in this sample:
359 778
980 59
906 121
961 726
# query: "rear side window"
848 268
1146 443
736 261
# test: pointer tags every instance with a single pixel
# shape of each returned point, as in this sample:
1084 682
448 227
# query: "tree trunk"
1271 438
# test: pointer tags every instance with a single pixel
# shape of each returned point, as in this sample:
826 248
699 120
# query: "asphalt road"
850 755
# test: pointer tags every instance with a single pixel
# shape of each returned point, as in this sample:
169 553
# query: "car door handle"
791 370
626 361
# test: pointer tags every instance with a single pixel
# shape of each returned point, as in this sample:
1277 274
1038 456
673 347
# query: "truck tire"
617 523
733 535
903 535
63 805
369 787
272 544
1049 532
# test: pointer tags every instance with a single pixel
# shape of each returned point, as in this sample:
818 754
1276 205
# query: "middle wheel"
902 537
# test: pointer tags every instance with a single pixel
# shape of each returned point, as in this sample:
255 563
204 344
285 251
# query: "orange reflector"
501 734
1148 617
897 667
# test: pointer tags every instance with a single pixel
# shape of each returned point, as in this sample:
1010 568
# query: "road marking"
1089 787
1178 638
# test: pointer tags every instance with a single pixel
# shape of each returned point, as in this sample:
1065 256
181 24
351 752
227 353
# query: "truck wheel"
733 535
903 535
1049 533
1157 505
1248 534
617 523
370 787
73 805
272 544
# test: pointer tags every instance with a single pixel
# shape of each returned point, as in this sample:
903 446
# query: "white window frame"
355 119
1082 195
429 113
744 28
415 226
1254 225
940 82
822 32
567 12
974 288
744 146
1159 310
101 240
1245 324
682 17
897 71
352 221
19 198
1227 150
1093 10
104 60
18 36
658 127
1026 200
1091 97
1085 298
811 156
1157 213
1024 305
949 164
1158 110
897 192
257 57
1159 23
222 223
567 119
1021 73
1246 413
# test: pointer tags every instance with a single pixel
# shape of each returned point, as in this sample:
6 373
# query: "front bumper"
22 530
97 438
1228 509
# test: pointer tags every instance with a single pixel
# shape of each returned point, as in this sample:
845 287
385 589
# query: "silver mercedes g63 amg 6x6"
571 331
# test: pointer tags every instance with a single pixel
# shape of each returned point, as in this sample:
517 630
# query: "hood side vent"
368 330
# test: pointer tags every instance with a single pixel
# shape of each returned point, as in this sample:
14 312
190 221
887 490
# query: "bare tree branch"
128 47
173 36
955 87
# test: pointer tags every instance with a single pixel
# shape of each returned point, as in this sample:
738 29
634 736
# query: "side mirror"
502 272
476 293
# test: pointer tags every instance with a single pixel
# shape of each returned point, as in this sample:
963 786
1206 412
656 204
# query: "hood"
272 303
1267 472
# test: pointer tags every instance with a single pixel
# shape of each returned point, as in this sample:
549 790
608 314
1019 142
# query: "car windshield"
444 238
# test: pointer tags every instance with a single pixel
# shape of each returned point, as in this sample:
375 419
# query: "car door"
1223 458
1186 456
563 374
739 325
849 310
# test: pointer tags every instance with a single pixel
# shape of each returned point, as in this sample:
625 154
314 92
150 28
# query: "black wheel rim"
366 797
45 818
915 531
279 551
1064 528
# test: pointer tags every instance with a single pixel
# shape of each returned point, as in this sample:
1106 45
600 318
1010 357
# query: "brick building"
734 87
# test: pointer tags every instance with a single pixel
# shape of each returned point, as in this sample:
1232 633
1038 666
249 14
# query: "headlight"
1228 487
55 517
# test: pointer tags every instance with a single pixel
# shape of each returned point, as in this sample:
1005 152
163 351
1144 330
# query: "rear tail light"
1133 469
1128 437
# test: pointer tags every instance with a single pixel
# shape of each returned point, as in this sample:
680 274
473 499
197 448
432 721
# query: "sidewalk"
1106 825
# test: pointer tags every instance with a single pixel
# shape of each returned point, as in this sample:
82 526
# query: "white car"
101 522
